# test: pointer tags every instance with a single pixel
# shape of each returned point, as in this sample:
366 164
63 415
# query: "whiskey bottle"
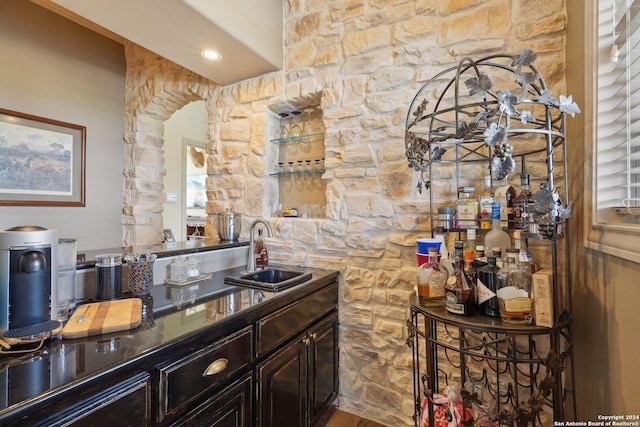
485 201
459 292
431 281
514 291
466 209
521 204
486 283
505 194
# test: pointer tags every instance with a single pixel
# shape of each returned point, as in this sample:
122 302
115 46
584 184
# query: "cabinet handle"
314 336
306 341
216 367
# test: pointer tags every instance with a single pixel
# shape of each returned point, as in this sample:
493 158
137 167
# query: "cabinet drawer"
280 326
124 404
190 377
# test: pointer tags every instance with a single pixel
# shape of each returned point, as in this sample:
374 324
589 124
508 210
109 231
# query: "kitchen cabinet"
157 375
232 407
124 404
199 374
299 382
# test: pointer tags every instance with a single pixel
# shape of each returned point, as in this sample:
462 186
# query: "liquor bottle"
261 252
466 209
459 291
486 283
469 249
431 281
513 290
521 204
524 257
505 194
496 237
485 201
446 256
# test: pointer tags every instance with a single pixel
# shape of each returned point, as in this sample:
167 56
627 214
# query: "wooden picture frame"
42 161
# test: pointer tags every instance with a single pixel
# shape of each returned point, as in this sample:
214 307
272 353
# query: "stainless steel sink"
269 279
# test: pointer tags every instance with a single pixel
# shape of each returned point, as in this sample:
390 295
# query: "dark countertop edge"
162 250
212 332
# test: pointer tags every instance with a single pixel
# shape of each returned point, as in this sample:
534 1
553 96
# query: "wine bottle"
459 292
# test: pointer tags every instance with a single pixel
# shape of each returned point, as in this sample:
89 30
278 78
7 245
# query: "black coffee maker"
28 284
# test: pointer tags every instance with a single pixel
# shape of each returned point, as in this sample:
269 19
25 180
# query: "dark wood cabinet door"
231 407
282 387
323 366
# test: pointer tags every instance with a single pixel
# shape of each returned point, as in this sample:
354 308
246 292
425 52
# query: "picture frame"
168 235
42 161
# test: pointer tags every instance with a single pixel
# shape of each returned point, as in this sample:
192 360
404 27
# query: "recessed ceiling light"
211 55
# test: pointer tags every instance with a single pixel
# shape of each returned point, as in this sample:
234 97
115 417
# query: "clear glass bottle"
486 287
431 281
513 290
459 292
261 252
469 248
466 209
524 257
505 194
485 202
521 204
496 237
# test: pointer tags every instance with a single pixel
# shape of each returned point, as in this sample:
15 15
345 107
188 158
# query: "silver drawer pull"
216 367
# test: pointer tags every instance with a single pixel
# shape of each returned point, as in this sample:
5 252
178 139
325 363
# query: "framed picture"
168 235
42 161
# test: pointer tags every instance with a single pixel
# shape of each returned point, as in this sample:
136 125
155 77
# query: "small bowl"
424 243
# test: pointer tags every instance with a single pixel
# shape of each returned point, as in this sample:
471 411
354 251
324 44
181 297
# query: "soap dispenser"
261 252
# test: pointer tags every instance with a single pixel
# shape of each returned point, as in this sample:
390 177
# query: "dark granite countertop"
62 364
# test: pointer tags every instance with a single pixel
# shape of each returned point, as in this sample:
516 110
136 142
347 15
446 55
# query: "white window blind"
618 112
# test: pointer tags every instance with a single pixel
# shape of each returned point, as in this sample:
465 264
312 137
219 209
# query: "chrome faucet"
251 266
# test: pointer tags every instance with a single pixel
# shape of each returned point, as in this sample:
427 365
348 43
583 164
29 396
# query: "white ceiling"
248 33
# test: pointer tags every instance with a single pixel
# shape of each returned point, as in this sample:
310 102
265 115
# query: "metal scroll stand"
523 371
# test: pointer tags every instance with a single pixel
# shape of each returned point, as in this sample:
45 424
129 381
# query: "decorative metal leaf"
568 106
524 59
507 100
437 153
526 78
418 113
494 134
526 116
479 85
502 168
546 98
466 130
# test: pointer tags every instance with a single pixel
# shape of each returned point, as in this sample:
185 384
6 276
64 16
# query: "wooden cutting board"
104 317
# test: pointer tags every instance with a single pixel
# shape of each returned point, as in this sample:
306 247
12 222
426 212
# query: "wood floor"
345 419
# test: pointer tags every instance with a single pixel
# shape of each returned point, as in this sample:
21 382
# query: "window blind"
618 109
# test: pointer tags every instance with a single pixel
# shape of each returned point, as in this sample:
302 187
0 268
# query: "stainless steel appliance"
28 282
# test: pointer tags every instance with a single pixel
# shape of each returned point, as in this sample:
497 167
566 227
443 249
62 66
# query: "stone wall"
365 60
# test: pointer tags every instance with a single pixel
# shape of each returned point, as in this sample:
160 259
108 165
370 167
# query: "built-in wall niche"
298 154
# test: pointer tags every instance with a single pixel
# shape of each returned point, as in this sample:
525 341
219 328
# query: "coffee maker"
28 283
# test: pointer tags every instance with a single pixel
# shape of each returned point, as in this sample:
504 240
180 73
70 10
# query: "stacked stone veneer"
364 61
